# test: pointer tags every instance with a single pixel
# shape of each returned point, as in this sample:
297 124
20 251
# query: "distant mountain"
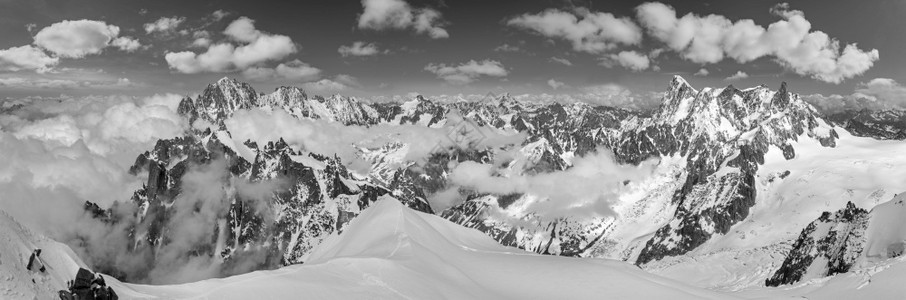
886 124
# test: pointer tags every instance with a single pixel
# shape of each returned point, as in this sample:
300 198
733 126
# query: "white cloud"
243 30
507 48
360 48
68 81
397 14
295 70
219 15
561 61
739 75
202 42
876 94
39 83
339 83
884 89
555 84
202 39
791 41
587 31
256 47
26 58
347 80
585 190
103 124
76 39
324 86
467 72
702 72
126 43
631 60
164 25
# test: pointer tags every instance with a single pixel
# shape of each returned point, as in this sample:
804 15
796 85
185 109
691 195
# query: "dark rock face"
219 100
316 197
884 125
830 245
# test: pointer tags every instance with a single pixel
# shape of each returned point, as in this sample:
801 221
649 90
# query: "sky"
373 48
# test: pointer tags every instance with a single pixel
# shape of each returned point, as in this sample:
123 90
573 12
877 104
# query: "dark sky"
475 28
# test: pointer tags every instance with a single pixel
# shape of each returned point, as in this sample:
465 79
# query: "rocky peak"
220 99
284 97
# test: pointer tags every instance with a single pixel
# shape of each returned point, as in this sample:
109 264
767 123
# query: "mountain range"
720 160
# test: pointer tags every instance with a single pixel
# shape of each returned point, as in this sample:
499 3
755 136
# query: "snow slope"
883 281
791 194
393 252
16 245
886 233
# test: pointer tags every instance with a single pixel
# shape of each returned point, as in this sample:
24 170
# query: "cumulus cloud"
561 61
76 39
84 145
164 25
591 32
631 60
360 48
126 43
739 75
219 14
26 58
295 70
507 48
255 48
790 41
467 72
398 14
325 86
339 83
883 89
702 72
555 84
243 30
587 189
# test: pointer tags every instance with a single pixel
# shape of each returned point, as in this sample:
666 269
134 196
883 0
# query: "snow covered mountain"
725 163
887 124
392 252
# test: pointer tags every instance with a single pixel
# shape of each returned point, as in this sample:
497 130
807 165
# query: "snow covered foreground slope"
16 245
393 252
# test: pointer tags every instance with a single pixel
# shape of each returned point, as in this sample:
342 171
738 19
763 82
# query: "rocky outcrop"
829 245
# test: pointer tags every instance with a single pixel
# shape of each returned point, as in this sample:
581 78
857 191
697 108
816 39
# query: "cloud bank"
399 15
790 41
467 72
587 189
253 48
